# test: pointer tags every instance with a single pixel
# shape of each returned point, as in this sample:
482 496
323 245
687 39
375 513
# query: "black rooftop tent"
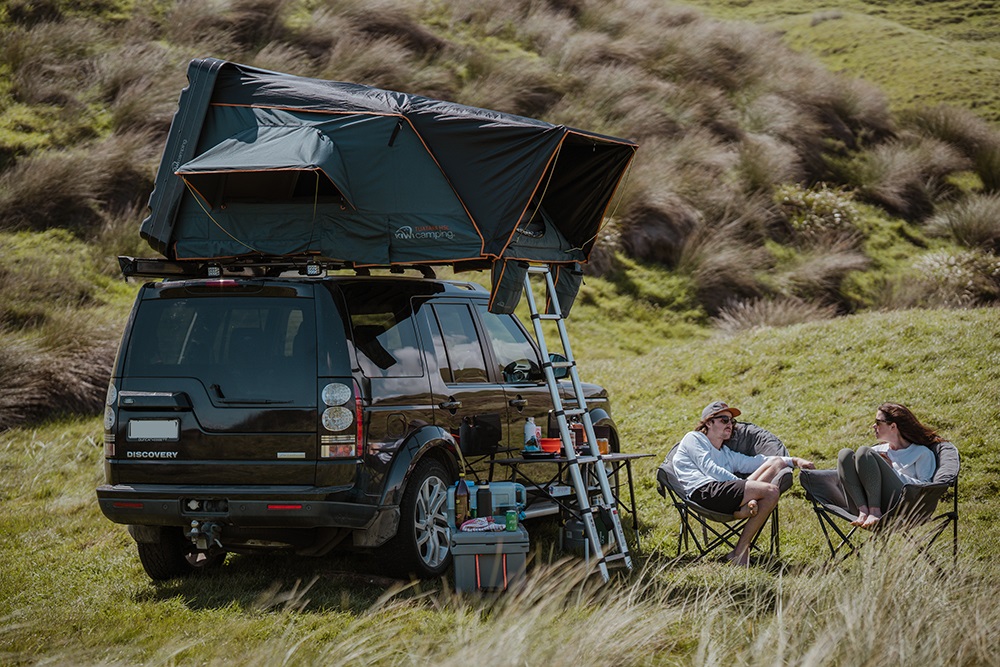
260 163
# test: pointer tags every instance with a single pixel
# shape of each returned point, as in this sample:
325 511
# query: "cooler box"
489 561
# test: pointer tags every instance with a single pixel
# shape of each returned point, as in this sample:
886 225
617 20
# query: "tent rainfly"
260 163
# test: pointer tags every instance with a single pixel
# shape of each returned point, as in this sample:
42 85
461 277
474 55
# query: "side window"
465 353
510 345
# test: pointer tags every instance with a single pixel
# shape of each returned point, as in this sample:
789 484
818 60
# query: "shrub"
820 215
759 313
964 278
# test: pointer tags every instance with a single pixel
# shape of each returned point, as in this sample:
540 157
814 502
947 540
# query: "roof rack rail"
262 266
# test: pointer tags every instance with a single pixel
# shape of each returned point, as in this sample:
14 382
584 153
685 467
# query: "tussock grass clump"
722 268
759 313
906 177
40 272
819 274
62 368
971 135
68 188
974 222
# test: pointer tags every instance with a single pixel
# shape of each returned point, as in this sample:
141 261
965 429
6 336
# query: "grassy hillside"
72 590
918 53
767 189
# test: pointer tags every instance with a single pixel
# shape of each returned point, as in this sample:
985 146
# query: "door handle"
518 403
450 405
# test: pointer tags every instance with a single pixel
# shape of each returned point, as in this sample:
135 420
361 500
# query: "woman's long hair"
909 426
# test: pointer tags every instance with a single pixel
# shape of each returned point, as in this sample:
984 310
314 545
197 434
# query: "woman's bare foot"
871 521
860 521
746 511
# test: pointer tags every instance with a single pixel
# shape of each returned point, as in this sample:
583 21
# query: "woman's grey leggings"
868 479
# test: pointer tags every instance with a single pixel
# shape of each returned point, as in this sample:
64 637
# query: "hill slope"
918 53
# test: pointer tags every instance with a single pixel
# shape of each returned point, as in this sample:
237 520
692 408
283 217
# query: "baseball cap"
715 408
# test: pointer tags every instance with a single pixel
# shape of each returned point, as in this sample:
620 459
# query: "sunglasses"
725 419
880 421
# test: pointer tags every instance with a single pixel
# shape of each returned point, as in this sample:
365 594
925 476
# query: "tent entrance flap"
269 163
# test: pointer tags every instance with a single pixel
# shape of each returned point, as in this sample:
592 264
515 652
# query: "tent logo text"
408 233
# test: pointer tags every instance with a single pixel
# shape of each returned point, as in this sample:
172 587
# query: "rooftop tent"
260 163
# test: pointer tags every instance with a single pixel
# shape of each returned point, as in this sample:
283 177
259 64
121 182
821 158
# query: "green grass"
72 589
917 53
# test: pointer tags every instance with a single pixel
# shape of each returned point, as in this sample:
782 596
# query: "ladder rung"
538 269
549 316
562 364
615 556
573 412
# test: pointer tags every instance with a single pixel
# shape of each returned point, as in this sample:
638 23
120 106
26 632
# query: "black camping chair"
916 504
718 529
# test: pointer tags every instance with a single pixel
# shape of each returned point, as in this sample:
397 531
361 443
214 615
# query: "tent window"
272 185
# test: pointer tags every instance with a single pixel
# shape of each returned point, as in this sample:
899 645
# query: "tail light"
338 418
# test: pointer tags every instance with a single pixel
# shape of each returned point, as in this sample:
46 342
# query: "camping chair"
718 529
916 504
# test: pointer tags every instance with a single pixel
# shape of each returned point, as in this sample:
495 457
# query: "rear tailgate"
219 386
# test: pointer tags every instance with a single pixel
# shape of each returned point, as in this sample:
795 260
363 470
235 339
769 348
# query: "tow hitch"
204 535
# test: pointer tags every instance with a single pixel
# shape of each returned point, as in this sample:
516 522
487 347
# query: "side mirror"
559 372
522 370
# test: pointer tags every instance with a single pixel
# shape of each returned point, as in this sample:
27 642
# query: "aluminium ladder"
607 506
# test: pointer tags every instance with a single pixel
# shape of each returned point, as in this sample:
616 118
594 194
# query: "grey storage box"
489 561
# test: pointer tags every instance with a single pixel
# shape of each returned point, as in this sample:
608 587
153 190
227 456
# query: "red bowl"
551 445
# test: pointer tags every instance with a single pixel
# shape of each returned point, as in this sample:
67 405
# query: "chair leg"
845 538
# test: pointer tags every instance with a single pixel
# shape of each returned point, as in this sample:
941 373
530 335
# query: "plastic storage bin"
506 496
489 561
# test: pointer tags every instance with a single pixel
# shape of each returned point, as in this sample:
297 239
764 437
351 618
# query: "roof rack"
260 267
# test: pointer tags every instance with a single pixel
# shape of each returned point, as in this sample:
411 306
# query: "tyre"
172 556
422 545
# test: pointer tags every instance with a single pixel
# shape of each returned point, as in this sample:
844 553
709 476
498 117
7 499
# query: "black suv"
307 414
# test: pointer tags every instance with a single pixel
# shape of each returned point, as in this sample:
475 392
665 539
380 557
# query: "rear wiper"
243 401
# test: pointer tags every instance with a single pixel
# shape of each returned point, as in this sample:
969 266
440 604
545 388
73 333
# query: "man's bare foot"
860 521
742 561
747 511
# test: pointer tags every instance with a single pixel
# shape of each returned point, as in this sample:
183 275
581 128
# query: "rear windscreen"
260 349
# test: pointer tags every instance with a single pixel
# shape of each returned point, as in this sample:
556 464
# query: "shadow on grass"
350 582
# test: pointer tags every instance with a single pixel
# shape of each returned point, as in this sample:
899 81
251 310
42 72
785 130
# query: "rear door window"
260 349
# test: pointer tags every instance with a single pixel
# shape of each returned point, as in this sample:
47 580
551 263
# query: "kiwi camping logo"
408 233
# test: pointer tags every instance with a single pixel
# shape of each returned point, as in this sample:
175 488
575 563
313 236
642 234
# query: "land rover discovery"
307 414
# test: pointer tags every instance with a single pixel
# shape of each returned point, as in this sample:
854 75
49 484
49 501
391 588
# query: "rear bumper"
242 506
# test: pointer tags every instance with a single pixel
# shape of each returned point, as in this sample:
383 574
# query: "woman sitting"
874 476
